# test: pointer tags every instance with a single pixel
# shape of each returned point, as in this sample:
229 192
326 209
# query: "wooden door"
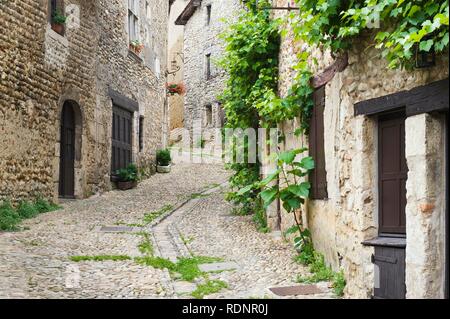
67 152
121 139
391 272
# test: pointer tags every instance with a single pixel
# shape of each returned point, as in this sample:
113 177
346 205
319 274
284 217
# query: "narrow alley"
38 262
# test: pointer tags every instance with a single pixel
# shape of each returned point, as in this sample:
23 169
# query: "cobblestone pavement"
35 263
263 260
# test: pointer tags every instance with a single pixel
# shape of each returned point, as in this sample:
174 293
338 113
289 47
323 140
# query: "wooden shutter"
392 174
121 138
318 176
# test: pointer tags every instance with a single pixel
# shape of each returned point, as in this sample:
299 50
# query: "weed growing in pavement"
321 272
150 217
209 287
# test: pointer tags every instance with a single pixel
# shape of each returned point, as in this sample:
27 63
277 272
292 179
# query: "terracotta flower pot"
58 28
126 185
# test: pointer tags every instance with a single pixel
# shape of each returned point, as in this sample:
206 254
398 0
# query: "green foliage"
188 267
59 18
405 26
11 217
339 283
306 255
25 209
260 219
321 272
44 206
210 287
128 174
198 195
246 175
146 245
100 258
156 262
150 217
251 60
290 190
163 157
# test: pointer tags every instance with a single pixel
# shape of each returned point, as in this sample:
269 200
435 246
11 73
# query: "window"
56 7
208 110
208 14
208 66
141 133
318 176
133 9
52 8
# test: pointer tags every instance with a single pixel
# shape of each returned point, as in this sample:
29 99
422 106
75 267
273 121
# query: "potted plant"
136 46
163 160
127 177
176 88
58 22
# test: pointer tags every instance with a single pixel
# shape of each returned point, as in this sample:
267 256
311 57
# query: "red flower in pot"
176 88
136 46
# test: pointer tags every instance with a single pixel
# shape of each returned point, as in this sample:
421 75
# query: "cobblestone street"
36 262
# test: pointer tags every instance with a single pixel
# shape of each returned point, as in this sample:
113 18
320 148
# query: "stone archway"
70 142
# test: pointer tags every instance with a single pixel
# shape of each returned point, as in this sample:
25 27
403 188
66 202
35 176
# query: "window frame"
133 16
208 66
141 133
208 14
209 114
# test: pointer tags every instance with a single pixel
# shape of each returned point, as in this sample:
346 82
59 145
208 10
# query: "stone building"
379 204
77 104
176 64
203 21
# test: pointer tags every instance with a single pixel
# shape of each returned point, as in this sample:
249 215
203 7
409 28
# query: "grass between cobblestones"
210 287
150 217
11 217
186 269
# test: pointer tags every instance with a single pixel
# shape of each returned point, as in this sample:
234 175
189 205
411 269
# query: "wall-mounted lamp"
425 59
174 64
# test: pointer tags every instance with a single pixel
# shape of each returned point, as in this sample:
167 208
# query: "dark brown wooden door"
121 139
67 152
392 171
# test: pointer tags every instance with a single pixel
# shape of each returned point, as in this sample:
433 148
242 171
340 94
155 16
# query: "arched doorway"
67 152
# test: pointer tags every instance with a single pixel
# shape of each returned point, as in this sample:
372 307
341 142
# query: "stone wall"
40 70
200 40
349 216
425 210
175 53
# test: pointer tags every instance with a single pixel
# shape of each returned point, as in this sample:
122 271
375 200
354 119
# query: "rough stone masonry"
41 70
